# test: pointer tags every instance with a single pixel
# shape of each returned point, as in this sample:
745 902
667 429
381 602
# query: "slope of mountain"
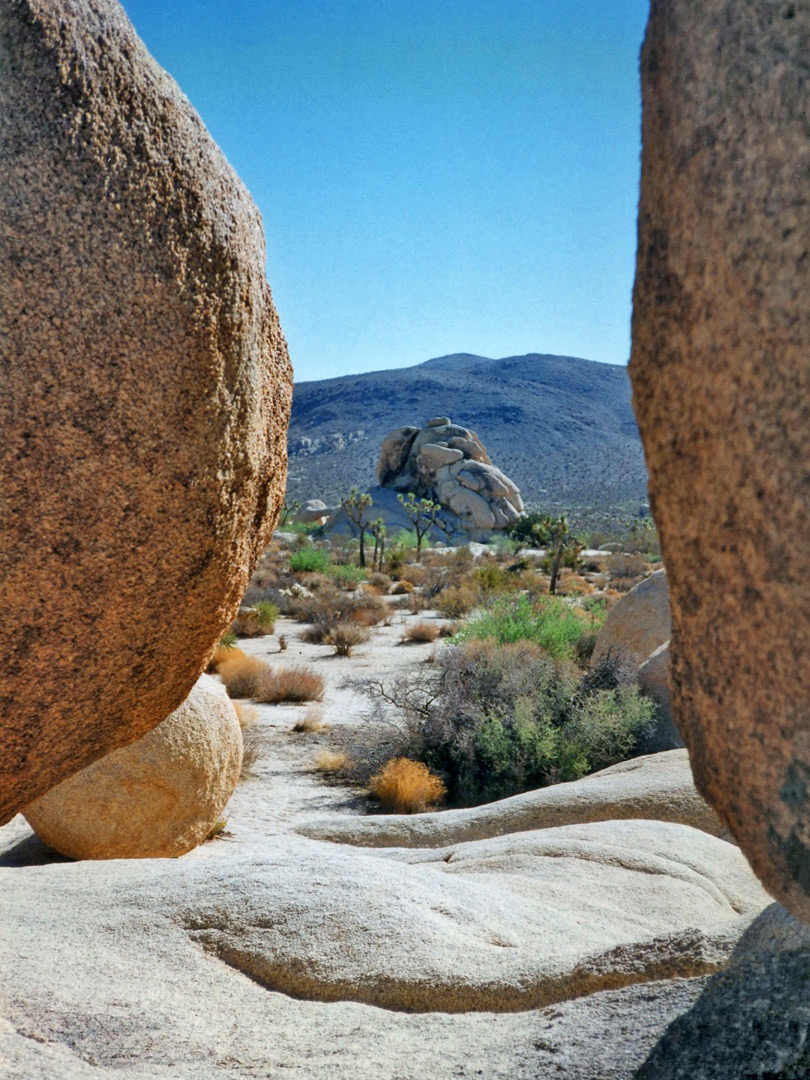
561 427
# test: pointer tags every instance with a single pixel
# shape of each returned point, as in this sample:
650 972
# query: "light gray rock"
637 625
653 680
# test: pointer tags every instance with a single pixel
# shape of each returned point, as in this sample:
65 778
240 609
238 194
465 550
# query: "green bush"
549 623
346 575
495 720
310 560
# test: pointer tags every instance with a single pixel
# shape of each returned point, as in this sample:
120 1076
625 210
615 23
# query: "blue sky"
434 177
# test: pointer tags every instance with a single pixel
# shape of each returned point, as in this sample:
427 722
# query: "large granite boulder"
721 335
144 392
159 796
752 1021
637 625
449 464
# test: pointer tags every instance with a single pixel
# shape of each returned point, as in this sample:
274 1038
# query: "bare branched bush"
456 601
247 677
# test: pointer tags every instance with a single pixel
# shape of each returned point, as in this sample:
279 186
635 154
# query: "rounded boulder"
159 797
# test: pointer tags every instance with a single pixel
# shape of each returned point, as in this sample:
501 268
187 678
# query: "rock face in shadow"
144 392
156 798
637 625
751 1021
721 332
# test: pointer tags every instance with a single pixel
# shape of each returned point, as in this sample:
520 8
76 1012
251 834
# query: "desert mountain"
561 427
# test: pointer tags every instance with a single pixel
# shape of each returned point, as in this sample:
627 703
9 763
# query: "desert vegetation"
504 699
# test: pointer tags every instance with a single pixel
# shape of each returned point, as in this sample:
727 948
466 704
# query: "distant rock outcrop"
144 392
449 464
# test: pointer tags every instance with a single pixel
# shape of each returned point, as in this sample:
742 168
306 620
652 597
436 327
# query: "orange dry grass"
328 761
246 677
221 654
406 787
246 715
421 633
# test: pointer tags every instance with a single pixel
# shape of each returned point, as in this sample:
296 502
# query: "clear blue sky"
435 176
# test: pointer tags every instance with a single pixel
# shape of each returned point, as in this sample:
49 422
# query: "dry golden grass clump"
247 715
328 761
417 575
421 632
364 608
456 601
309 723
402 587
379 582
406 787
246 677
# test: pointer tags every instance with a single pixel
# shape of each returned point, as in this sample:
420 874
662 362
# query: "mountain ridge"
562 427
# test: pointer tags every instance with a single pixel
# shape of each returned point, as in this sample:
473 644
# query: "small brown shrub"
346 636
247 715
247 677
242 674
364 609
379 581
417 602
222 653
421 632
402 587
328 761
317 634
456 601
625 565
406 787
251 753
417 575
310 723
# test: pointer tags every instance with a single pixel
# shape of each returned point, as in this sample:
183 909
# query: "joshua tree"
287 509
355 506
422 514
377 530
562 546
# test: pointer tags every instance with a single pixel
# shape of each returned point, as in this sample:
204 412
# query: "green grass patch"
345 575
549 623
310 560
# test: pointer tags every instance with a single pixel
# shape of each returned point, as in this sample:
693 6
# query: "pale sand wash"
564 951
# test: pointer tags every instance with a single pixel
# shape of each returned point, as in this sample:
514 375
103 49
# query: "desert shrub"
310 560
493 720
318 634
347 577
346 635
330 761
241 674
247 677
223 653
217 830
379 581
256 620
417 575
494 577
625 564
402 587
549 623
310 722
417 601
247 715
406 787
421 633
251 753
456 601
363 608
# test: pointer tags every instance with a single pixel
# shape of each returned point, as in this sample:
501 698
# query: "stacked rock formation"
721 337
449 464
144 392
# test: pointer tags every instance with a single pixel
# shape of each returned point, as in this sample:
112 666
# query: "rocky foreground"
556 933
